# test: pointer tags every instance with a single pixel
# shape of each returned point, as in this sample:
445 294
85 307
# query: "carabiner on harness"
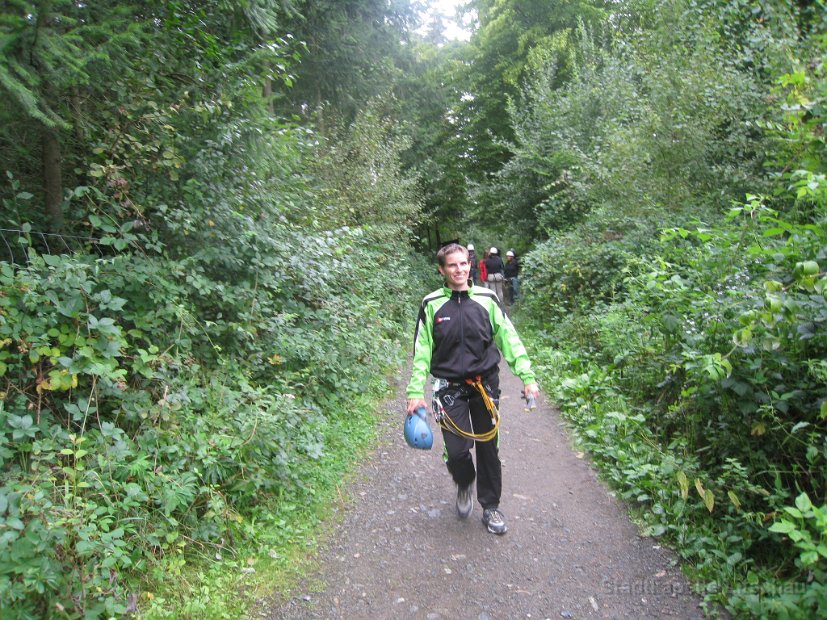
437 408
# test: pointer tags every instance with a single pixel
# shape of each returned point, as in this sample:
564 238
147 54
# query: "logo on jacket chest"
440 319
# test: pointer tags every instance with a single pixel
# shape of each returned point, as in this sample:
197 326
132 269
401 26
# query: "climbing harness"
445 422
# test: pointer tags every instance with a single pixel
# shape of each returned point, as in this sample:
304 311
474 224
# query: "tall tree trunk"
52 182
267 93
77 116
319 110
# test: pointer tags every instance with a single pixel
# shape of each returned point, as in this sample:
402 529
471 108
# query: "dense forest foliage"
218 217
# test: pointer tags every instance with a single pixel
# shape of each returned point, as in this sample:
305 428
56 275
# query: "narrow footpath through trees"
400 551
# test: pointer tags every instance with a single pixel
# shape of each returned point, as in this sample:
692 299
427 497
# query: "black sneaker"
494 521
464 503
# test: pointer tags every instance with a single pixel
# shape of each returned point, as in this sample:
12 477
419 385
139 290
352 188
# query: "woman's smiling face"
455 271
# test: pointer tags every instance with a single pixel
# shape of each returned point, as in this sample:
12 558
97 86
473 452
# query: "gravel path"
400 551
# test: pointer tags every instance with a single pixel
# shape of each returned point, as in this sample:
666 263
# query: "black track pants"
465 406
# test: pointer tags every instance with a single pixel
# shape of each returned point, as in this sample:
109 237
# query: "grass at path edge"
279 550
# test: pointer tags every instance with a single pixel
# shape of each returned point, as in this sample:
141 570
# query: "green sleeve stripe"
423 343
509 343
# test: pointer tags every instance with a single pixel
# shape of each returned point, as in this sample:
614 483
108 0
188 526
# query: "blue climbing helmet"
417 430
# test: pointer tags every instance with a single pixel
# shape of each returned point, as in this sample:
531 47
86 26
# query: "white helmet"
470 246
493 251
509 253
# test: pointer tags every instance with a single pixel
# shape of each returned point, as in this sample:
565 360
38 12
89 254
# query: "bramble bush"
121 447
118 452
168 388
710 367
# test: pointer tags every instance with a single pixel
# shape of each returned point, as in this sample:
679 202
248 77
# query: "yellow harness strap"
492 409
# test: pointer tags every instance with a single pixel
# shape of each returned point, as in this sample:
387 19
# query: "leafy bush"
585 266
704 353
115 454
170 387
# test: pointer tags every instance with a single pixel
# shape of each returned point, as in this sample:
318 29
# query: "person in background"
495 269
512 276
483 271
461 335
475 266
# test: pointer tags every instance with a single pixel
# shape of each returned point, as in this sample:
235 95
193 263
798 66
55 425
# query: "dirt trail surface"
400 551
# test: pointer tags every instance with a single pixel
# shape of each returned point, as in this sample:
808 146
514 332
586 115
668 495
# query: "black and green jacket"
461 335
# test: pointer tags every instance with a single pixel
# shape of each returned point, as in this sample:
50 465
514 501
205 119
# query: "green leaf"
15 524
21 422
809 268
799 426
742 337
794 512
808 558
803 503
684 484
709 500
782 527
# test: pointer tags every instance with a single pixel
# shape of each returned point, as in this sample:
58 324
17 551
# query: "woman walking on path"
496 273
461 334
483 271
512 276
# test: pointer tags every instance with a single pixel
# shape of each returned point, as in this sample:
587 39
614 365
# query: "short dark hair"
449 249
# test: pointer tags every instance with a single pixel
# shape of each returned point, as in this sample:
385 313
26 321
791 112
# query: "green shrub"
709 365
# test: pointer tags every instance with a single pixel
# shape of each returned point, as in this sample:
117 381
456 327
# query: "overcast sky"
448 8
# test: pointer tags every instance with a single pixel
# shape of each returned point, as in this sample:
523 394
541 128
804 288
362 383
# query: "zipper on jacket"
461 330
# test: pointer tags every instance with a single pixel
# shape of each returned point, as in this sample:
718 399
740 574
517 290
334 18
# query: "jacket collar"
449 292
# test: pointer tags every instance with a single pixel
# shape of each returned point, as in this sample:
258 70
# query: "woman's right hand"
414 404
